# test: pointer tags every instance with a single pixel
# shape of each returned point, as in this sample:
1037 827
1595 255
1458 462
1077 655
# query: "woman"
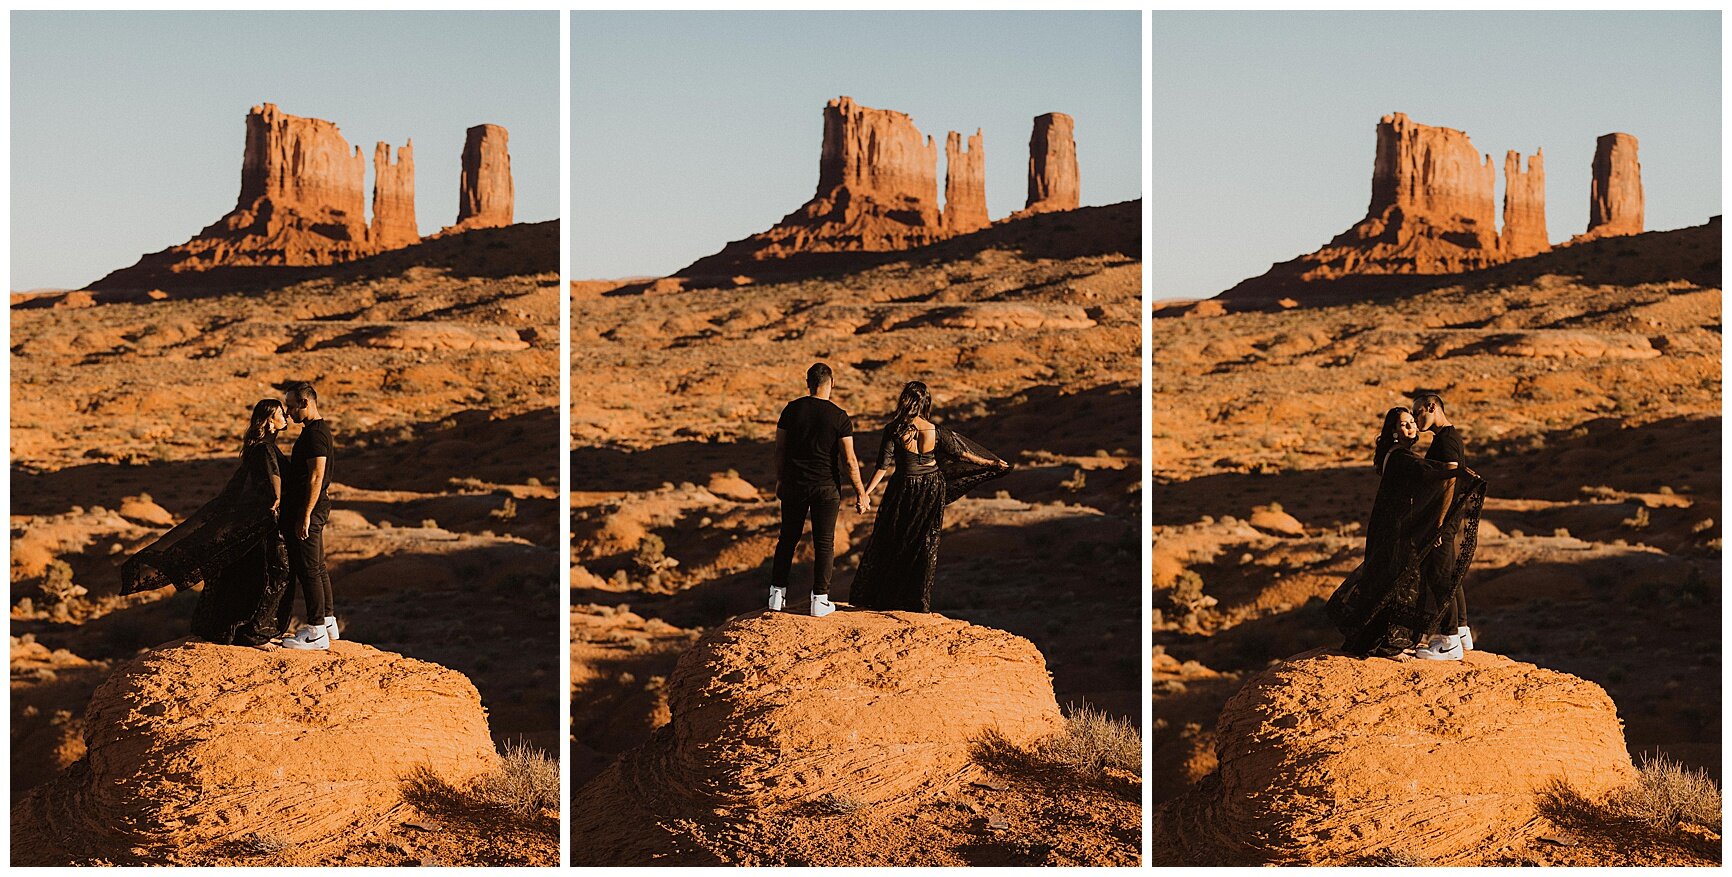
933 468
232 545
1385 606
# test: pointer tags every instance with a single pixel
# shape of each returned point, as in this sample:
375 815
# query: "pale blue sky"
690 130
1265 123
127 128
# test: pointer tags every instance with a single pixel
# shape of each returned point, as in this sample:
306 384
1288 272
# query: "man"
813 438
1439 564
306 507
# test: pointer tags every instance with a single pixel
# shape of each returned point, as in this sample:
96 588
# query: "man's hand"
862 504
275 507
306 527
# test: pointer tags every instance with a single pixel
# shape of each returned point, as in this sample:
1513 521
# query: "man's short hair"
1424 400
818 375
305 388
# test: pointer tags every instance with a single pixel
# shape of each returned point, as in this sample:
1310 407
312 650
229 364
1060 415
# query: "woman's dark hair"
1390 437
915 401
261 420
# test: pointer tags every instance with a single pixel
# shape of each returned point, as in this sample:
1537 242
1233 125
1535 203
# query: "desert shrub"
255 844
841 805
57 584
1669 794
1091 743
1395 858
650 553
525 782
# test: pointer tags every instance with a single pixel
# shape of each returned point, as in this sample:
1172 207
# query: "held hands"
862 504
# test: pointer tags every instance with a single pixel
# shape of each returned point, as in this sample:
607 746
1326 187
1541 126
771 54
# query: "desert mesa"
302 203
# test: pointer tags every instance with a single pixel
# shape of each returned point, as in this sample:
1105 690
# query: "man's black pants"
820 502
307 565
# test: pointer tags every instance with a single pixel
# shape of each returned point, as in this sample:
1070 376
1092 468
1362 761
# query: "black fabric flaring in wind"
232 545
901 555
1423 508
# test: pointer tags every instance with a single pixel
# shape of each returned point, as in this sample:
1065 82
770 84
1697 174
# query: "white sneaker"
1466 637
778 598
821 605
309 638
1440 648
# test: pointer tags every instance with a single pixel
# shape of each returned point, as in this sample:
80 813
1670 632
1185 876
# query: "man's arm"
317 481
781 456
860 502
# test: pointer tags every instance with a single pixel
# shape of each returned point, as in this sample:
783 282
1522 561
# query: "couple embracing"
932 467
264 531
1406 598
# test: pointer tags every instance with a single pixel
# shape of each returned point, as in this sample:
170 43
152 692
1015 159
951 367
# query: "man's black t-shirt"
314 441
814 427
1447 447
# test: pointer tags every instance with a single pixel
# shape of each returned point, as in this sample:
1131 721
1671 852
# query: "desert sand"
1586 382
1027 333
437 365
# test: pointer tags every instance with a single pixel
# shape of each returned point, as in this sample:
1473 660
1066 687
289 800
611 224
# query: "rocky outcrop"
1433 211
195 745
1052 168
299 174
774 711
485 195
1331 760
878 193
1615 195
1524 206
394 198
302 202
302 205
965 184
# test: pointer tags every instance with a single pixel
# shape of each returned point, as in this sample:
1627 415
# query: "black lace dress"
232 545
901 556
1387 604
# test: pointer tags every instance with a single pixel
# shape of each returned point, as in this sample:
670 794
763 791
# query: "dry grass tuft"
1091 744
1670 794
525 784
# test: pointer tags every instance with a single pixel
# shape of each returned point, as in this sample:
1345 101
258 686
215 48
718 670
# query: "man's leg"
793 521
306 558
826 501
316 542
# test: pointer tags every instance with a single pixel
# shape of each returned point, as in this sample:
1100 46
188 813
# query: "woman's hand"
862 504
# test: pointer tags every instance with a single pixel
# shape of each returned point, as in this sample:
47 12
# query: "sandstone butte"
1052 169
773 710
194 745
1432 211
878 190
1326 759
1615 194
302 203
394 198
485 196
